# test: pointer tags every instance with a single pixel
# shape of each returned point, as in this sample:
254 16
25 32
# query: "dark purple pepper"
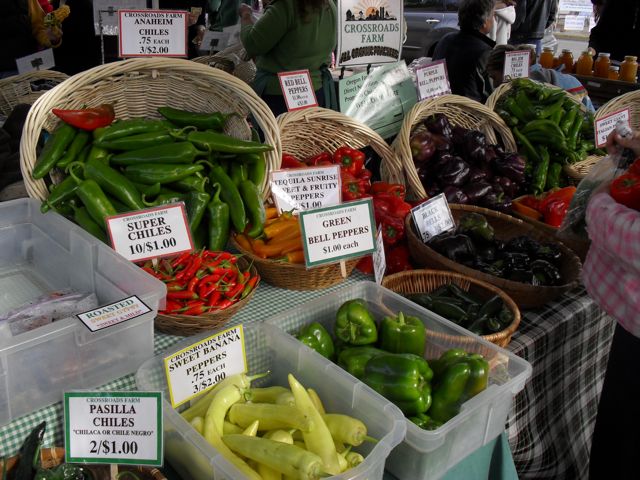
478 175
443 144
422 147
439 124
475 144
458 136
509 187
511 166
455 195
475 191
454 173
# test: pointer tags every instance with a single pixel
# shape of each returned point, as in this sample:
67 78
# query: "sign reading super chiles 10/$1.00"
145 33
369 32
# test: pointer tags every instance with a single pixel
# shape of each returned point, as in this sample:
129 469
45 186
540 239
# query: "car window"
451 5
430 5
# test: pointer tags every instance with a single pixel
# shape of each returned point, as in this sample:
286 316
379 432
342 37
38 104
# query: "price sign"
197 368
607 124
306 188
297 89
574 22
151 233
334 233
41 60
433 80
433 217
379 260
113 427
114 313
158 33
516 64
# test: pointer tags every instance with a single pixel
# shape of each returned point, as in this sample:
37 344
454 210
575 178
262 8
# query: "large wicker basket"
505 227
461 112
233 60
136 88
310 131
425 281
20 88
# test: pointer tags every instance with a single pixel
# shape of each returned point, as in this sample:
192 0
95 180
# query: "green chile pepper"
219 142
540 172
402 334
491 307
131 126
254 207
138 141
354 324
218 219
97 153
78 144
30 453
65 209
150 173
239 172
568 119
62 192
315 336
166 197
527 148
425 422
148 190
257 168
193 183
173 153
203 121
114 183
93 197
553 176
53 150
354 359
200 236
231 196
196 204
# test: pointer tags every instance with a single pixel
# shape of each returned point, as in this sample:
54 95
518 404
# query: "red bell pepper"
87 118
365 265
349 159
397 259
626 190
289 161
395 189
352 188
399 207
323 158
635 167
392 229
531 202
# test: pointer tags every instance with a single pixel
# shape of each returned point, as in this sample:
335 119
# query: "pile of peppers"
202 282
137 163
389 357
550 207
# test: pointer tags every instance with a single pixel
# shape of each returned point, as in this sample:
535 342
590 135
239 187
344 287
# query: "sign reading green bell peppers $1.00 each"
337 233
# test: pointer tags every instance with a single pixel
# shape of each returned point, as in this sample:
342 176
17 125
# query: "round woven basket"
21 89
505 227
136 88
294 276
233 60
461 112
186 325
426 281
310 131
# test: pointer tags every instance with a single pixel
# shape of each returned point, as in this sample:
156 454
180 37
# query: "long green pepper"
150 173
254 207
53 150
218 221
173 153
231 196
73 151
196 204
114 183
219 142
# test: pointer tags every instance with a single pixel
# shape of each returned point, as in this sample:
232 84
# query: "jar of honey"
566 59
629 69
546 58
614 72
601 66
584 65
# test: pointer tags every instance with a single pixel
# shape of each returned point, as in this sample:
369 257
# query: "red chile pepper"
87 118
180 259
172 306
175 287
196 308
191 270
349 159
250 285
182 295
289 161
214 299
218 255
394 189
323 158
192 283
226 303
234 291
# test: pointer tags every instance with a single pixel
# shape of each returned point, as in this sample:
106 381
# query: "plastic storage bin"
428 454
41 253
268 349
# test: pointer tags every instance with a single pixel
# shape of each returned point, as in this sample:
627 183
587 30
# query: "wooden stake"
343 269
113 471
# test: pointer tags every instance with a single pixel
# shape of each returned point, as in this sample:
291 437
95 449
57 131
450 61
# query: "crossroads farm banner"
369 32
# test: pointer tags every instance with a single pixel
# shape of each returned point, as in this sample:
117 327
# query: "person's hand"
615 142
245 11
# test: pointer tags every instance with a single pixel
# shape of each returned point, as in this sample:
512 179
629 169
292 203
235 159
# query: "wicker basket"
136 88
233 60
461 112
425 281
506 227
187 325
294 276
310 131
19 89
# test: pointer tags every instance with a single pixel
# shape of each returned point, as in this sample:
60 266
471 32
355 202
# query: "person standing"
532 18
505 15
195 21
618 29
291 35
467 50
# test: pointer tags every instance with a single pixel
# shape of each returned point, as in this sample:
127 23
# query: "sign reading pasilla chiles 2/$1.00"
369 32
113 427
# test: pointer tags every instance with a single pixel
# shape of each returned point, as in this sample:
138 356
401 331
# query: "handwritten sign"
197 368
114 313
433 80
303 189
574 22
433 217
42 60
607 124
151 233
113 427
335 233
152 33
297 89
516 64
379 260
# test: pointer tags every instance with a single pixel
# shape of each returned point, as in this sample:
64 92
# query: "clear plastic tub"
267 349
428 454
41 253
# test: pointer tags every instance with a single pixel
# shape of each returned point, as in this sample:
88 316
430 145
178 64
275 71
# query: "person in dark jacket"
467 50
81 47
532 18
196 23
618 29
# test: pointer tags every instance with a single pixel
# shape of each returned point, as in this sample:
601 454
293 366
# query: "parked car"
429 20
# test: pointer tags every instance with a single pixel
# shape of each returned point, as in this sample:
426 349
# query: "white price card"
297 89
152 33
197 368
379 259
113 427
516 64
433 80
433 217
113 313
42 60
150 233
303 189
607 124
574 23
332 234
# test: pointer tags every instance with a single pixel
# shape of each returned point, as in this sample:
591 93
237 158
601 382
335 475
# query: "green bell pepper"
354 324
425 422
403 334
315 336
476 226
402 378
354 359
